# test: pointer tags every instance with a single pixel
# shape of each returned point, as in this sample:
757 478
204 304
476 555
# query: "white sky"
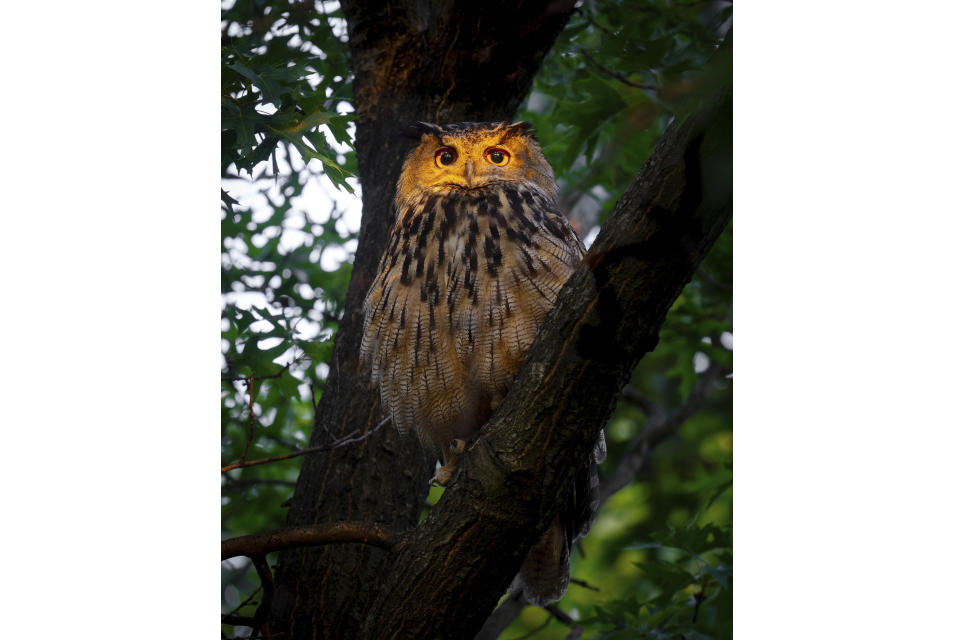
313 206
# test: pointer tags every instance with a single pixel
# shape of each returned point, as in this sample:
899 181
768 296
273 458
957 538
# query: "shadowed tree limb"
258 545
512 479
266 581
310 535
500 619
243 621
658 428
560 614
575 633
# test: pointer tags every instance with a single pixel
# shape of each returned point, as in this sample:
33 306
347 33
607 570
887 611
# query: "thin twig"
348 439
240 606
698 599
245 379
615 74
584 584
246 447
632 394
560 614
708 279
266 581
535 631
239 485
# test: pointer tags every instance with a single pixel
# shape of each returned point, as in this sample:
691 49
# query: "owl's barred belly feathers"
475 260
464 285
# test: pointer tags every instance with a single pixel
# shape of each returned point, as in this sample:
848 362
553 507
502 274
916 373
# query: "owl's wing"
516 256
403 348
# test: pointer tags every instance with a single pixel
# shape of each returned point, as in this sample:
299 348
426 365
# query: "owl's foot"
450 459
443 475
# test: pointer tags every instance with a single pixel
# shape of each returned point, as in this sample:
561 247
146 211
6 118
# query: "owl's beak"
468 173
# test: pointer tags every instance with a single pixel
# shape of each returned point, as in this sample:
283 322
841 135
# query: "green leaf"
318 351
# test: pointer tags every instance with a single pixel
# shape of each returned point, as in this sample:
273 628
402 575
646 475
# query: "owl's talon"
443 475
450 458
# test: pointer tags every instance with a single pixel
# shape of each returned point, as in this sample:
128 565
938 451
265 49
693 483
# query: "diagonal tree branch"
659 427
608 315
500 619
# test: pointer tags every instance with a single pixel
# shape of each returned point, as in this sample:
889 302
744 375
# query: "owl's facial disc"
470 168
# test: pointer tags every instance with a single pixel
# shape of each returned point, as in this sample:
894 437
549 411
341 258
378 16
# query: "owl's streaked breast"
466 281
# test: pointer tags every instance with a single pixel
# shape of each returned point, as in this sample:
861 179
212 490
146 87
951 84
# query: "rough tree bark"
412 60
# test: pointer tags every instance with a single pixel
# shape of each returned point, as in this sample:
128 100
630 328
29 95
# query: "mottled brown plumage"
477 256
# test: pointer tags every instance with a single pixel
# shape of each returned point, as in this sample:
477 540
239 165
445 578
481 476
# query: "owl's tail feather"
546 570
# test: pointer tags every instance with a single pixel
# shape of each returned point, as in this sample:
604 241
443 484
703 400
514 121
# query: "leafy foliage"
609 87
285 145
658 559
685 590
283 72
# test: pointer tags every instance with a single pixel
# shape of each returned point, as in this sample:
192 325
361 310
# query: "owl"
477 255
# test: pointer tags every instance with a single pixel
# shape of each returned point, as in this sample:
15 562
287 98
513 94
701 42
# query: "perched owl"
477 256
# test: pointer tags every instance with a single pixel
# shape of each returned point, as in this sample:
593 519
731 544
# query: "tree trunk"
413 60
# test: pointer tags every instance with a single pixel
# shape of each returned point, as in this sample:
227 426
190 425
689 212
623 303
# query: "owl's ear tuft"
419 129
522 129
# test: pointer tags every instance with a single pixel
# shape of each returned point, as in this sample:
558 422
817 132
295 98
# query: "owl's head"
473 156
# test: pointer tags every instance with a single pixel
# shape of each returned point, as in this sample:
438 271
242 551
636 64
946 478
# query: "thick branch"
608 315
658 428
500 619
260 543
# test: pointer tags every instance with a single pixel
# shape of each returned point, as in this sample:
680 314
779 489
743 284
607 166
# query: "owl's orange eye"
445 156
497 156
